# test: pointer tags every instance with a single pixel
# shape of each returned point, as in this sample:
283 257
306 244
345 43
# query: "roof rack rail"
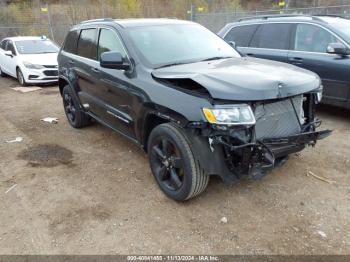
265 17
97 20
314 16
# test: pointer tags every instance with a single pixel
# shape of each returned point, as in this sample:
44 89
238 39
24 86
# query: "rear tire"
76 117
173 164
2 74
20 78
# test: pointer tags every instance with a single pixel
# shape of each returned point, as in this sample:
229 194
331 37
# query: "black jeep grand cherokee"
188 98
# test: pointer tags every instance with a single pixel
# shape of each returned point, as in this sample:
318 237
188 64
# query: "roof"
134 22
20 38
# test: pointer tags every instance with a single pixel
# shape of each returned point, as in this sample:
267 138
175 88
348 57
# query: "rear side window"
70 44
3 44
87 44
241 35
272 36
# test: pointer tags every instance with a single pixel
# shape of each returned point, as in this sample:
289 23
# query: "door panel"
115 86
11 62
89 92
309 52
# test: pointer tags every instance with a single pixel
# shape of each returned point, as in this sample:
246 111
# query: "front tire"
173 164
76 117
2 74
20 78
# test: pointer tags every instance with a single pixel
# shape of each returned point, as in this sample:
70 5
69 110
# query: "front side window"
311 38
40 46
70 44
87 44
161 45
11 48
3 44
272 36
109 41
241 35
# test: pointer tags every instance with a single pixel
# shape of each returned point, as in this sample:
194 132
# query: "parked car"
32 60
188 99
317 43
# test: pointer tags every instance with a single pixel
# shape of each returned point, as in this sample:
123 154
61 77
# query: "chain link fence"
55 20
215 21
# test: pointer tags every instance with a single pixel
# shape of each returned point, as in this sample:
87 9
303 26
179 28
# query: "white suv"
31 60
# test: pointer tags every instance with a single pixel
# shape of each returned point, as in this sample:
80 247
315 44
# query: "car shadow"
332 111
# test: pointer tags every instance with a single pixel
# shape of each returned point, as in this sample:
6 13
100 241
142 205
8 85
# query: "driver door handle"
96 70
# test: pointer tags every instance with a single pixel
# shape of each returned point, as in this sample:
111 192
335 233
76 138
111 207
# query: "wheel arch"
62 82
156 117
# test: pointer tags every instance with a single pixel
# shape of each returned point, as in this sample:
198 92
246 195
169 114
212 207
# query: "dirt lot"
91 191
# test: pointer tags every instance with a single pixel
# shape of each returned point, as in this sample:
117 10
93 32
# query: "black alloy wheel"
69 107
168 164
173 163
76 117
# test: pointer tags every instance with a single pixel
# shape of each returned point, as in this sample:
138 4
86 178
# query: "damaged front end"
281 127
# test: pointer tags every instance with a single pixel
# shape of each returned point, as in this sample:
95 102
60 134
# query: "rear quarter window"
87 46
70 45
241 35
272 36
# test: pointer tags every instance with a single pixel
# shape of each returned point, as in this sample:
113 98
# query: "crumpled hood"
41 59
244 79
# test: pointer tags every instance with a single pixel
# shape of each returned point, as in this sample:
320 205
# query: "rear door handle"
250 54
96 70
296 60
71 61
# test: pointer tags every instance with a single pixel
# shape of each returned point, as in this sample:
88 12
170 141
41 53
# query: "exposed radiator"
278 119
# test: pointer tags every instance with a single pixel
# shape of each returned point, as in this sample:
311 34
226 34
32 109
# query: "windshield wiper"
215 58
173 64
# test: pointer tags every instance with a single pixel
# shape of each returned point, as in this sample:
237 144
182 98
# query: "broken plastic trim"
266 152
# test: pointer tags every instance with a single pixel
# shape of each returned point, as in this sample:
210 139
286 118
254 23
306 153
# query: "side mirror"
338 48
233 44
113 60
9 53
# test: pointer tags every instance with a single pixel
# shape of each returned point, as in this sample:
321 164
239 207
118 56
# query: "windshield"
36 46
340 24
343 26
175 44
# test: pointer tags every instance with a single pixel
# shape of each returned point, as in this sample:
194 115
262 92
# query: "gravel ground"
90 191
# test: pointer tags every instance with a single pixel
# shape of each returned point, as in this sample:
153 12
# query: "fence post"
193 12
103 8
50 24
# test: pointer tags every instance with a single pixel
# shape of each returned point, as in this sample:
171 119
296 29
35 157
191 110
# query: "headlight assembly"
32 66
240 114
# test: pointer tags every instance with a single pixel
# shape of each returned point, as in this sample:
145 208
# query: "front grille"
51 66
51 72
278 119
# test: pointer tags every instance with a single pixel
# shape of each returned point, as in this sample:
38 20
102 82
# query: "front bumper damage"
262 156
233 152
231 162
